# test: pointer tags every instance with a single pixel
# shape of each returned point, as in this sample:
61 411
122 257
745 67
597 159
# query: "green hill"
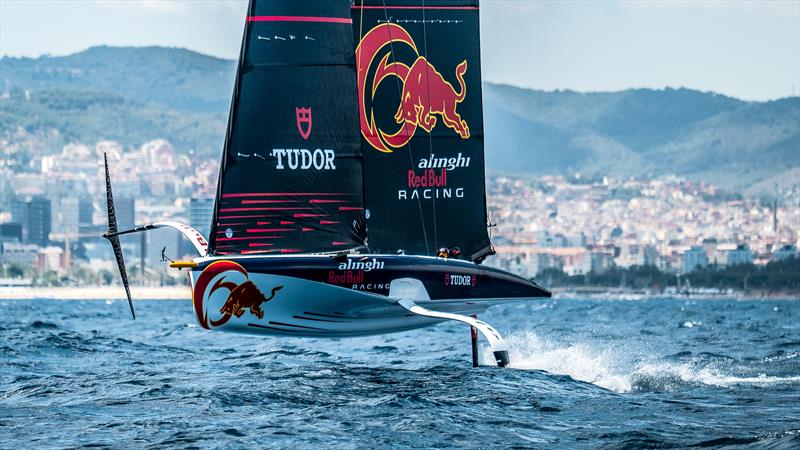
135 94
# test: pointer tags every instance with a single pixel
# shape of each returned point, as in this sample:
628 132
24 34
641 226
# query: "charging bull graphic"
242 293
426 93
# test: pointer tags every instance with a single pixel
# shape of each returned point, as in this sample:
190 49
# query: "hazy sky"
749 50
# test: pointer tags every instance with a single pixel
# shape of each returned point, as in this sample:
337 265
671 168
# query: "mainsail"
355 120
421 119
291 175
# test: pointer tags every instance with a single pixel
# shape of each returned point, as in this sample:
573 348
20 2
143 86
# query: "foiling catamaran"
351 197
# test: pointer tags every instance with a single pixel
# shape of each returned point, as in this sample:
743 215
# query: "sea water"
584 373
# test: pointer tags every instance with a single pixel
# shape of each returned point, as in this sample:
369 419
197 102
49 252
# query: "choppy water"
654 373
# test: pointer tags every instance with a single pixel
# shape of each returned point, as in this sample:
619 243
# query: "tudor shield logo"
303 116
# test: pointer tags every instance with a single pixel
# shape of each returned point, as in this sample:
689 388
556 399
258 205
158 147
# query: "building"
740 255
15 252
694 258
785 252
85 211
66 217
201 213
51 259
39 221
10 232
19 214
125 209
637 255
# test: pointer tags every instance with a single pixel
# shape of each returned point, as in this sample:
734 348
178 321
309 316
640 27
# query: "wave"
624 369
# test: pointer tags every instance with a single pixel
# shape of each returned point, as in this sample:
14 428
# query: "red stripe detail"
260 244
267 230
475 8
261 209
319 200
252 202
263 223
247 217
299 19
309 215
307 229
287 222
290 250
350 208
339 243
327 222
246 252
273 194
234 224
249 238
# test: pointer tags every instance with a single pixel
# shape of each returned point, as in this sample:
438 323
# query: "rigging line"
363 155
430 134
410 156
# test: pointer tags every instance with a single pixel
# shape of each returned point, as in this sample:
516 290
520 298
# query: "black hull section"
444 279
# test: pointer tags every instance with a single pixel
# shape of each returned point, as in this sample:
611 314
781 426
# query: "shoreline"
561 293
96 293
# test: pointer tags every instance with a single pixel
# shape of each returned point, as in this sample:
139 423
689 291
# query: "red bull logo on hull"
426 96
228 283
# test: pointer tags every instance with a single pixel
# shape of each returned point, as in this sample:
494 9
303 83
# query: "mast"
421 121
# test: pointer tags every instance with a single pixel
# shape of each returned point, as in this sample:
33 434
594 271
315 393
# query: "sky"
748 50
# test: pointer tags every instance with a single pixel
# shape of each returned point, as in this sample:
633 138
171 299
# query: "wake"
622 368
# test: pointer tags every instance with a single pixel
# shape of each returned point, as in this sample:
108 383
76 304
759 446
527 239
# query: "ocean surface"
585 374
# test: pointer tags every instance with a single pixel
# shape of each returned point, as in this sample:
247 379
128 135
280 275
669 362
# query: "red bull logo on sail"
426 97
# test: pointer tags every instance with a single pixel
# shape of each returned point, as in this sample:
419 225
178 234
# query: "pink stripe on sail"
254 202
328 222
287 222
267 230
339 243
261 209
260 244
275 194
309 215
307 229
247 217
249 238
299 19
319 200
350 208
263 223
290 250
247 252
474 8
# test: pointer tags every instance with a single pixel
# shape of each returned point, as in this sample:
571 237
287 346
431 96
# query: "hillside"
136 94
643 132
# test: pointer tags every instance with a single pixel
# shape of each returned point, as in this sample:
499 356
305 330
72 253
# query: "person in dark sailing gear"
455 252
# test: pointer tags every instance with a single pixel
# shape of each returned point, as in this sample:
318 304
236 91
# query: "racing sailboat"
351 196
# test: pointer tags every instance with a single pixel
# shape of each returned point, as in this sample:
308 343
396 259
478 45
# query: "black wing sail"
291 174
421 119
